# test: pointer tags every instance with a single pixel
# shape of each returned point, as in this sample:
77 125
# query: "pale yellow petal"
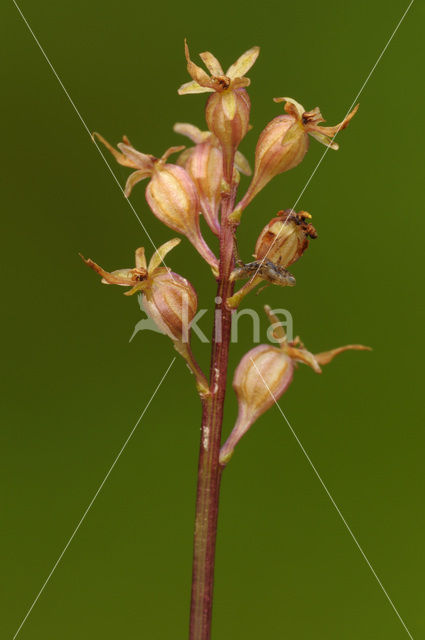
193 87
190 131
196 72
133 179
228 102
170 152
211 63
160 253
243 64
327 356
242 164
139 160
119 157
292 106
326 140
140 260
120 276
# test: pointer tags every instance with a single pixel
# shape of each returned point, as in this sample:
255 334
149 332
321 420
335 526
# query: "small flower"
228 108
166 295
204 164
218 81
168 299
282 241
264 374
170 193
285 238
284 142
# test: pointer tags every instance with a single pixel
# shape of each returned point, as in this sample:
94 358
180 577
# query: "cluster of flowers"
195 185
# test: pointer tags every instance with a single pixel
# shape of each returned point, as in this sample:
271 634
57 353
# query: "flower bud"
227 115
285 238
262 376
171 302
172 196
171 193
204 164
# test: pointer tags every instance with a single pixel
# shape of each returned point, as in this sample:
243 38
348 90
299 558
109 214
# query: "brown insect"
266 270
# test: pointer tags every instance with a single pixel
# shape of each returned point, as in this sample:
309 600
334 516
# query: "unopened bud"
171 193
204 164
172 196
171 302
285 238
261 377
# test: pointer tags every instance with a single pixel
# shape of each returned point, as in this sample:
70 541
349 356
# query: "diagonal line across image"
347 526
329 145
83 122
99 489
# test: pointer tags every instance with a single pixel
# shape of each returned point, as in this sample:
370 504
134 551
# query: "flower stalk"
209 468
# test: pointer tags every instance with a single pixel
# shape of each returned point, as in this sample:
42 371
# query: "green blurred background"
74 386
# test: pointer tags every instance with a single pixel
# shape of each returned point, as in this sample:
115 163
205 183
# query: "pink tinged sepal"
173 198
227 115
261 378
204 164
281 146
171 302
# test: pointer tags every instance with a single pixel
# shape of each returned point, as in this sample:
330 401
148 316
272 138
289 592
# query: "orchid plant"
204 181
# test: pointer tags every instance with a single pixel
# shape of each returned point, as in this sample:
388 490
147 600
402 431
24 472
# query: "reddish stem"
209 469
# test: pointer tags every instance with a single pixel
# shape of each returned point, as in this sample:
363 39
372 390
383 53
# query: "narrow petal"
133 179
138 159
243 64
140 259
193 87
190 131
325 135
326 356
240 83
302 355
278 331
119 157
160 254
140 286
195 72
242 164
121 276
228 101
326 140
170 152
211 63
292 106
